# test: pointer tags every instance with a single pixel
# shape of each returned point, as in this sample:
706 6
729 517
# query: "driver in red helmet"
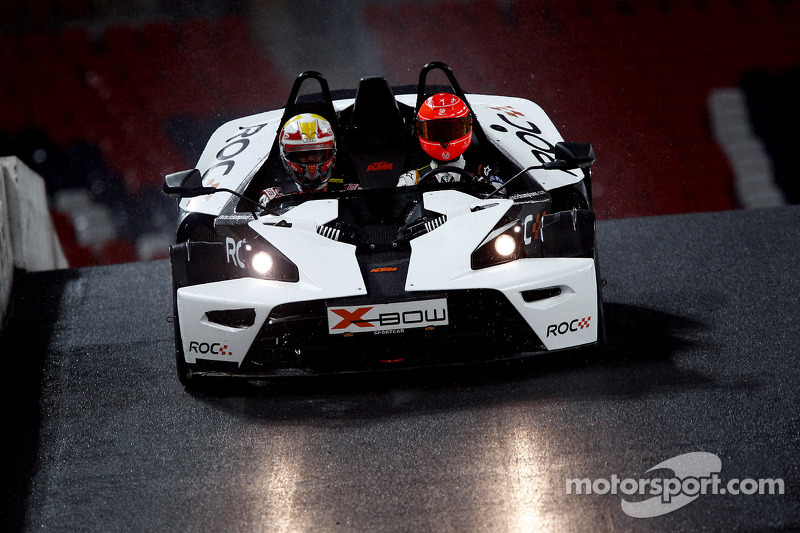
444 128
308 155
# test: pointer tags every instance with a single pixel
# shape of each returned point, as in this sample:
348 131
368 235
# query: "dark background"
104 98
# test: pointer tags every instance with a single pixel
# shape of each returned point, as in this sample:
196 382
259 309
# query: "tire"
184 372
602 337
183 276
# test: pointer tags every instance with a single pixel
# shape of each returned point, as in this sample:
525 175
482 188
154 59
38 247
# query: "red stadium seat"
77 255
117 251
122 41
72 10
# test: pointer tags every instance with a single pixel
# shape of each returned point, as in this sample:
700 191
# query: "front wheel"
602 338
185 374
207 265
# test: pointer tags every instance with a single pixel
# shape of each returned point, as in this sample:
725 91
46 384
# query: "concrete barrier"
6 255
28 240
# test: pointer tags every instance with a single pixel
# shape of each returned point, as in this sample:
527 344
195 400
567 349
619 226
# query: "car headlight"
267 262
504 244
262 263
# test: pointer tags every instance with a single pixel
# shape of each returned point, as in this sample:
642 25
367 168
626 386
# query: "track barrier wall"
28 240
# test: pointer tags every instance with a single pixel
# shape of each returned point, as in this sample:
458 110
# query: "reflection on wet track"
113 443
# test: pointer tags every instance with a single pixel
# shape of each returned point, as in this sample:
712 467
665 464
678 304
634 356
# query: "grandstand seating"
631 76
120 90
124 104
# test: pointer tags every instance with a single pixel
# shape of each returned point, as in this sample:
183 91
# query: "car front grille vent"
435 223
329 232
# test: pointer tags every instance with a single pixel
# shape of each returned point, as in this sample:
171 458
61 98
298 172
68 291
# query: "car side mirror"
576 155
186 184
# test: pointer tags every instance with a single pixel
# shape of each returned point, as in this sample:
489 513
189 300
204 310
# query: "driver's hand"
496 182
408 179
269 194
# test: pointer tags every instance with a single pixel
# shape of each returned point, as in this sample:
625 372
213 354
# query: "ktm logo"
383 269
380 165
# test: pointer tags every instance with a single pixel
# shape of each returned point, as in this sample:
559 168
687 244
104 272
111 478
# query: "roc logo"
383 269
205 348
535 227
566 327
380 165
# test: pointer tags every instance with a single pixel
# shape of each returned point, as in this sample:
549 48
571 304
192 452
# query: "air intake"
233 318
536 295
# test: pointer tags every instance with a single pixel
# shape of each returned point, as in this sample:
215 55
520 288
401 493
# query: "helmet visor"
444 130
309 157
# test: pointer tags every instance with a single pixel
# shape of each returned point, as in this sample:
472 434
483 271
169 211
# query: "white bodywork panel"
233 153
523 131
335 277
440 261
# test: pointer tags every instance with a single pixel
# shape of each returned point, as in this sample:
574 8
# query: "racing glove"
412 178
268 194
487 174
407 179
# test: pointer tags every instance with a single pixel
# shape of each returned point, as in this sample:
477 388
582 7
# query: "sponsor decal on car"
566 327
234 146
532 227
204 348
522 197
380 165
526 132
232 252
387 318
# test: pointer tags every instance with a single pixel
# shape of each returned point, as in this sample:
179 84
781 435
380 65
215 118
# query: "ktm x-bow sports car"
440 272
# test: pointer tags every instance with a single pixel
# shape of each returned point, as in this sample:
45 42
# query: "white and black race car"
384 276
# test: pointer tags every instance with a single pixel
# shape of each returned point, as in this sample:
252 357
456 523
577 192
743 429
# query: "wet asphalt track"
702 311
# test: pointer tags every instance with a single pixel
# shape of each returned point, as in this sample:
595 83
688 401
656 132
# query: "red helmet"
444 126
308 151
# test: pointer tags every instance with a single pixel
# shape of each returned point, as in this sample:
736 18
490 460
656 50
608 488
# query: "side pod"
194 263
568 234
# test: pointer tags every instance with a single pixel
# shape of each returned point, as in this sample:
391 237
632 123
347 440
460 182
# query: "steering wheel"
428 176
